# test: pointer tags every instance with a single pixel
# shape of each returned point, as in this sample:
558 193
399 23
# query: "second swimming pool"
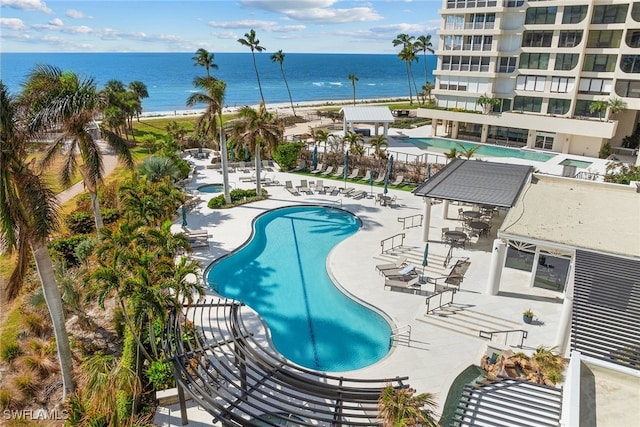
444 145
281 273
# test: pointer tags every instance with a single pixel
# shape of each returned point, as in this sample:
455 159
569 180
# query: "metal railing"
400 331
393 240
489 335
413 221
439 295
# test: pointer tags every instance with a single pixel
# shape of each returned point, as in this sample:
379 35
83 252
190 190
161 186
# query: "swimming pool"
444 145
211 188
281 274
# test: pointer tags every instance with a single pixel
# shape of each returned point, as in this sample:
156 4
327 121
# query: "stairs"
462 320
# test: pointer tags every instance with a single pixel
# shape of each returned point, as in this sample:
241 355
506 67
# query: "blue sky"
184 26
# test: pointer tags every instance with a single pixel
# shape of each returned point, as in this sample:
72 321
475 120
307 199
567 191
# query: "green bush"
238 196
10 351
160 375
286 155
216 202
84 249
80 222
110 216
64 249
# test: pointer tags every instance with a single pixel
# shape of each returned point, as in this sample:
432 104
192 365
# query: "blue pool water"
281 274
444 145
211 188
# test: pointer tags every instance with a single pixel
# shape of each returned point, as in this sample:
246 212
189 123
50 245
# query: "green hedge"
238 197
64 249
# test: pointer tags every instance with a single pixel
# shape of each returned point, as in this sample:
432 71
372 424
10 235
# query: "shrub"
10 351
80 222
84 249
64 250
160 375
110 216
286 155
26 383
216 202
605 151
36 325
238 196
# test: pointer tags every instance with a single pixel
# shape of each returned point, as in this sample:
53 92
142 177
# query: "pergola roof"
474 181
367 114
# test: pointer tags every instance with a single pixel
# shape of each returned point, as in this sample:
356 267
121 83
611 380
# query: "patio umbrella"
425 261
314 158
371 181
346 167
388 177
428 171
184 216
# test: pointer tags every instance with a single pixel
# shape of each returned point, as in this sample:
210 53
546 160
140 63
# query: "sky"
295 26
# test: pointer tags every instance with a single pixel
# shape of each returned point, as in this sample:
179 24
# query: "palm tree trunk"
54 304
95 205
136 336
258 171
287 85
413 77
255 66
409 81
225 164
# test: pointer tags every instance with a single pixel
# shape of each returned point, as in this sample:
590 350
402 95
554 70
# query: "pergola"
373 114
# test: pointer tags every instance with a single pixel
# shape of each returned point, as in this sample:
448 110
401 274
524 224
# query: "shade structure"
184 216
388 176
314 158
346 167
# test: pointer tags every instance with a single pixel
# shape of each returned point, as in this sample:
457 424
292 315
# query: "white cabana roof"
371 114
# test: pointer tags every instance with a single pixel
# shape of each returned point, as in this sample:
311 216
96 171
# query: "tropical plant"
426 90
257 130
353 78
598 107
209 123
402 407
424 45
176 131
28 216
452 153
156 168
622 173
550 365
253 43
487 103
139 89
320 136
279 58
287 154
407 54
61 100
204 59
152 203
616 105
379 145
355 141
467 152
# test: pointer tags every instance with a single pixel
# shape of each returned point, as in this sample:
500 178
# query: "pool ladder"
401 334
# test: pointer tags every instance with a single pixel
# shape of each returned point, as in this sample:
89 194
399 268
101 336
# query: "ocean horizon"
312 77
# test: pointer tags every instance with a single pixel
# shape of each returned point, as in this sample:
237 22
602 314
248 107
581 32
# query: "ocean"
169 76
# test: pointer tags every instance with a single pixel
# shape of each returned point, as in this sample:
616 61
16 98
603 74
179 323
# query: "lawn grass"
51 175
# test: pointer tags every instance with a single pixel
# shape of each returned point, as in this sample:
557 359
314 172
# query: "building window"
537 38
541 15
531 83
604 39
511 136
459 4
599 63
465 63
452 43
535 61
595 86
566 61
570 38
628 88
574 14
527 103
635 11
562 84
545 141
454 22
630 63
505 105
558 106
583 109
514 3
633 38
477 42
506 64
610 14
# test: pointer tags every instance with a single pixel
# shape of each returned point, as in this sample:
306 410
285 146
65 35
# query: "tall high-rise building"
550 75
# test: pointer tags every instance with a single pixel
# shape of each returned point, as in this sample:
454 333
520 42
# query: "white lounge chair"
399 180
290 188
304 187
354 174
319 188
339 173
327 171
401 261
318 168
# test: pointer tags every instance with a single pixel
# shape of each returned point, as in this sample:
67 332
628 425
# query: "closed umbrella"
346 167
314 158
184 216
388 177
371 181
429 171
425 261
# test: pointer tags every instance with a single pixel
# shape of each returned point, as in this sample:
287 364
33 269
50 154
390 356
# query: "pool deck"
437 352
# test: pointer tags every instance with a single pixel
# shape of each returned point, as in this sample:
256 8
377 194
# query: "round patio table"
471 214
481 226
455 237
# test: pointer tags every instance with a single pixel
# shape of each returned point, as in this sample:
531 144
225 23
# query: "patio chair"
339 173
330 190
304 187
399 180
380 178
318 168
401 261
327 171
319 188
289 187
266 165
354 174
444 230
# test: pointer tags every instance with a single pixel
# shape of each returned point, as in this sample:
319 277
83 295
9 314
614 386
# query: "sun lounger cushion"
406 270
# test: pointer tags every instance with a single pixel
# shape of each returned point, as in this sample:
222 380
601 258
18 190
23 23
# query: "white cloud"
76 14
268 26
227 35
35 5
12 23
315 11
56 22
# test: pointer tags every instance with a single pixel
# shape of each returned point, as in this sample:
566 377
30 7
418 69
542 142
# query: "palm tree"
423 43
204 59
353 79
616 105
320 136
407 54
156 168
62 101
487 103
28 215
257 129
139 90
598 107
253 43
427 88
210 122
355 141
467 152
400 407
379 145
279 58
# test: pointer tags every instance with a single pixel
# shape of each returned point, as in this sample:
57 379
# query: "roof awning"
367 114
475 181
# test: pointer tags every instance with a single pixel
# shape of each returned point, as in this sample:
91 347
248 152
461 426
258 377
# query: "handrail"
489 335
439 294
396 332
393 242
403 220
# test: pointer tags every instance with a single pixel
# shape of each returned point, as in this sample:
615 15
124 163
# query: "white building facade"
546 62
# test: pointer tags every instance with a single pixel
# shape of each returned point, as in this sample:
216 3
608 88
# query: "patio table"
455 237
471 214
480 226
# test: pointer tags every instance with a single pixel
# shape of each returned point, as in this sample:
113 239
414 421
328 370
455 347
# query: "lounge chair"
380 178
347 191
399 179
318 168
401 261
289 187
319 188
327 171
412 284
304 187
339 173
354 174
358 194
367 175
330 190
